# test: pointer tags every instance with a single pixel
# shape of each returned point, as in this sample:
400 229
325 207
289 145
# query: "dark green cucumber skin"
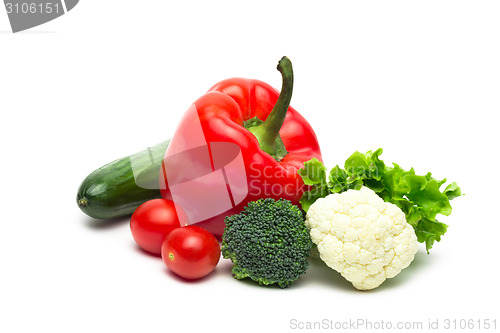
112 190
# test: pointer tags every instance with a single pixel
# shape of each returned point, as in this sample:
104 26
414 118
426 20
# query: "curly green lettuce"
419 197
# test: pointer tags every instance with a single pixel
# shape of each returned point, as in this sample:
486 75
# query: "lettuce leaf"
314 175
419 197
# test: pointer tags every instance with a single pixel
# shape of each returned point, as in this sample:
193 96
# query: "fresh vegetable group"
243 176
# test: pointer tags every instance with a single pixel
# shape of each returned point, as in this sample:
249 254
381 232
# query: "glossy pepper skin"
226 114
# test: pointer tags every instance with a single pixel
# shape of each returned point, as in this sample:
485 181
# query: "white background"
420 79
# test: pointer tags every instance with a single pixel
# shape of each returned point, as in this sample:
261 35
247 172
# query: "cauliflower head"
362 237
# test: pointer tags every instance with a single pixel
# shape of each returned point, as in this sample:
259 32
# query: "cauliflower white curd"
362 237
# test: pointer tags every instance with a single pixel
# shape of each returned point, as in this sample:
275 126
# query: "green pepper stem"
272 125
268 132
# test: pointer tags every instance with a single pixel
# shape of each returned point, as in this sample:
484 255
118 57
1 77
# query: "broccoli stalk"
267 242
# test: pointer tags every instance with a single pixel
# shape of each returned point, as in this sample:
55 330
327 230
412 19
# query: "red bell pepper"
237 143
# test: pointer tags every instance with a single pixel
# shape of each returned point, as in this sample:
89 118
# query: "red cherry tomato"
191 252
151 222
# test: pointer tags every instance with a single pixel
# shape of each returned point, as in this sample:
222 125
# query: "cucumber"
118 188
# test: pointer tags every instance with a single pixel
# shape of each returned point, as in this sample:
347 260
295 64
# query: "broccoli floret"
267 242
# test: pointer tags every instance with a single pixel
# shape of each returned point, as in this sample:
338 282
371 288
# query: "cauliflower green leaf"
419 196
314 175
